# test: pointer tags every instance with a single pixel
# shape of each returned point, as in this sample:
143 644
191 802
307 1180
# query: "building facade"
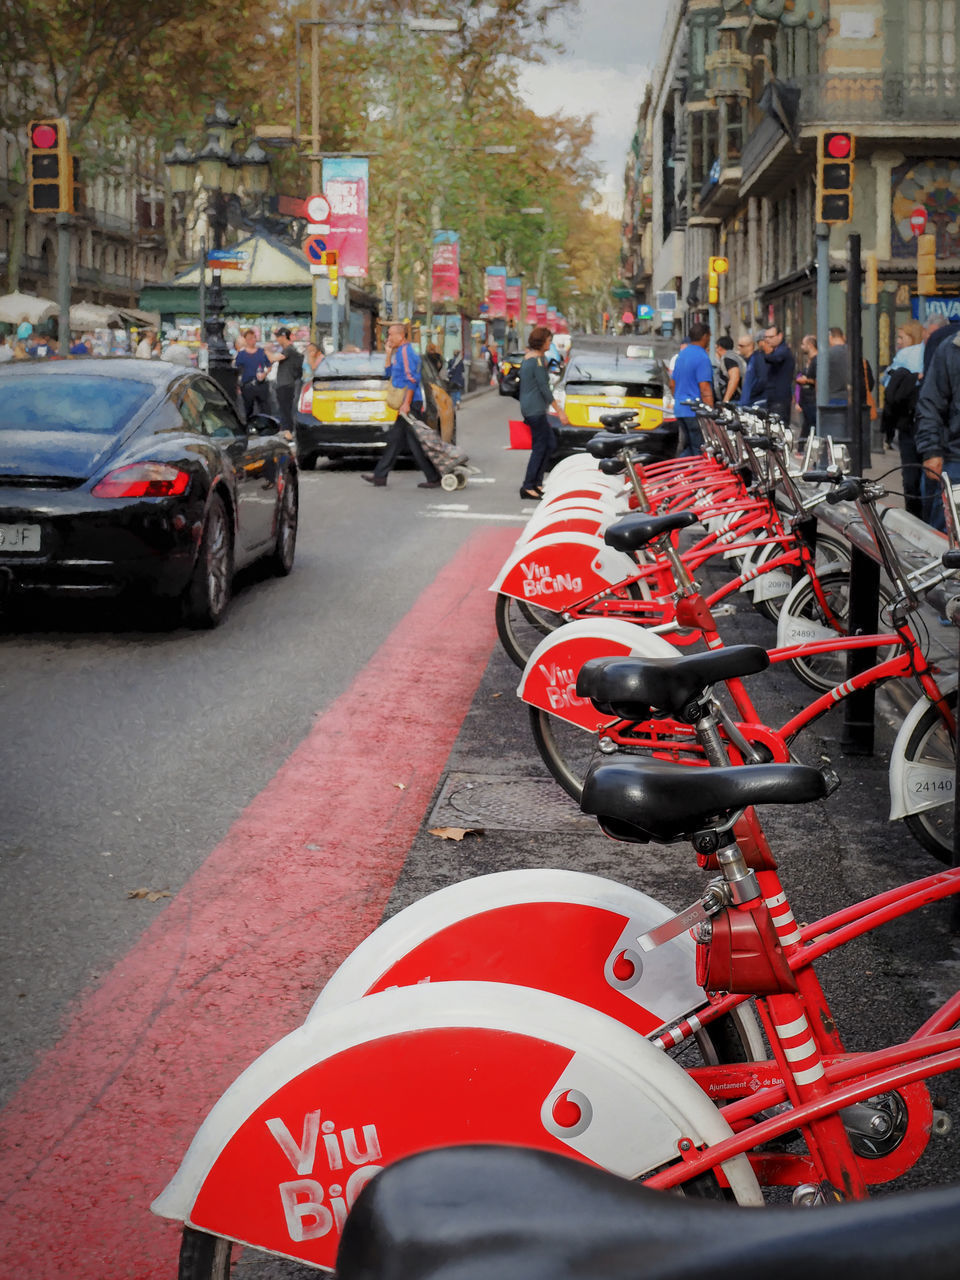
117 242
724 157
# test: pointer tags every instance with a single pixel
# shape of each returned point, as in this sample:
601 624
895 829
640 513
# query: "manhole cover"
508 804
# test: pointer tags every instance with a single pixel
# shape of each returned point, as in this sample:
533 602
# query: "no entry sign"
918 221
318 208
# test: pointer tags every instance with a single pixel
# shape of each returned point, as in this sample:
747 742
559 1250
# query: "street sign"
228 255
918 221
314 248
318 208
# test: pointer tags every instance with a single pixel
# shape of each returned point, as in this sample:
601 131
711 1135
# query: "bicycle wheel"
831 553
802 618
521 626
204 1257
931 744
565 748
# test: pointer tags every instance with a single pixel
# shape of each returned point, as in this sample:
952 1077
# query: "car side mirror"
263 424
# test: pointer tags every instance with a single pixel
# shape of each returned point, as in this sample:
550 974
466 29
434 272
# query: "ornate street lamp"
222 171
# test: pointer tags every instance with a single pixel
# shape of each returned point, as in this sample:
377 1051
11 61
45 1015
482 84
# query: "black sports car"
121 473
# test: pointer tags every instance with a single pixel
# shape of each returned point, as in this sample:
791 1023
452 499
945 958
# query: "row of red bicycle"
576 1017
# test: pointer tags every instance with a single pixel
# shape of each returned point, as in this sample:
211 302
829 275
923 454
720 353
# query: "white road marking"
444 513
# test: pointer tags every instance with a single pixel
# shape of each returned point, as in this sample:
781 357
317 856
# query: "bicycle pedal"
724 611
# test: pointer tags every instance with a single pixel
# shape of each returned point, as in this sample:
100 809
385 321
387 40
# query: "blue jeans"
543 442
932 495
694 437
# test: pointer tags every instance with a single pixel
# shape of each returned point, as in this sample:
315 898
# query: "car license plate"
595 412
357 411
19 537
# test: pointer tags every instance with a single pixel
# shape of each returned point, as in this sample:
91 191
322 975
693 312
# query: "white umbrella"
14 306
87 315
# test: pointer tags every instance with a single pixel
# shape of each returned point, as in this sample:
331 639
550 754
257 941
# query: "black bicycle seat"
507 1213
631 687
642 800
607 444
629 533
617 418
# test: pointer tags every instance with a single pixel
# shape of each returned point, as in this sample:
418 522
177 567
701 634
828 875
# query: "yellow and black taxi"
344 410
606 379
508 374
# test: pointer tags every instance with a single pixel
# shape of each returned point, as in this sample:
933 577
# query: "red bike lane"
237 958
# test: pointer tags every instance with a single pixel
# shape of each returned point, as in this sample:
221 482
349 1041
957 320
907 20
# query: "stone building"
724 158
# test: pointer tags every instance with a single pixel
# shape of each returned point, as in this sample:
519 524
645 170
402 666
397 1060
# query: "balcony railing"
930 95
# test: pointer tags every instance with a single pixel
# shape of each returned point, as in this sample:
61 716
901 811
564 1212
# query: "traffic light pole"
63 280
823 325
859 457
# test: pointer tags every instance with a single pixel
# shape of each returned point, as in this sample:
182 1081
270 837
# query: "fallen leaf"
401 786
455 833
151 895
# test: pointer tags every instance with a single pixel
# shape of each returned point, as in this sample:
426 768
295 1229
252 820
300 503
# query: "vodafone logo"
566 1113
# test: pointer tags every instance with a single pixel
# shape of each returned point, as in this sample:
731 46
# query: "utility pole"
316 172
63 280
823 325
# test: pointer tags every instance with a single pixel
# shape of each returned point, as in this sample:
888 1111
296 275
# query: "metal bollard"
859 727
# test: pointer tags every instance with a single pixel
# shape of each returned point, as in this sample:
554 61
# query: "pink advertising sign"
446 266
346 187
495 288
513 291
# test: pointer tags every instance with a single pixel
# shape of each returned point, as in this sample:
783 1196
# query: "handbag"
395 396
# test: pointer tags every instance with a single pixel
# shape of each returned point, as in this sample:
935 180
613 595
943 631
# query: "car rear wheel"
208 592
307 462
281 559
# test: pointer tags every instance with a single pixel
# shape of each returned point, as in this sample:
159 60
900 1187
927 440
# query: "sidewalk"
830 853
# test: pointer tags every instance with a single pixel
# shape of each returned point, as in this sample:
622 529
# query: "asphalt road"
129 754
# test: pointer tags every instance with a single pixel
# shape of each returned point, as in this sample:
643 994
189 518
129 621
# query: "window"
931 51
88 404
216 417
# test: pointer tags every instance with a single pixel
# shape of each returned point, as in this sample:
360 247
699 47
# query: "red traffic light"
838 145
43 136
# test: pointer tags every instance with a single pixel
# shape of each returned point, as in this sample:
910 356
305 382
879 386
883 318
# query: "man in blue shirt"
403 366
692 380
253 366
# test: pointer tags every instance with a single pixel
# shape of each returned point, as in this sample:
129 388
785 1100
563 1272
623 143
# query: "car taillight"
306 399
142 480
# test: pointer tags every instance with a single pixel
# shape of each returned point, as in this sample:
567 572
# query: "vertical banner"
495 291
541 304
346 185
446 266
513 288
531 306
552 318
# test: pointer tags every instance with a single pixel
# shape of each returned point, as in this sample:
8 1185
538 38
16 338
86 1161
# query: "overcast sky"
611 50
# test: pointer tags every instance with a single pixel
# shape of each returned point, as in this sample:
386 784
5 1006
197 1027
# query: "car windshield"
88 404
583 369
352 364
632 379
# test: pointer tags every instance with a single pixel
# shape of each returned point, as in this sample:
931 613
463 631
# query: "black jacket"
938 406
900 403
